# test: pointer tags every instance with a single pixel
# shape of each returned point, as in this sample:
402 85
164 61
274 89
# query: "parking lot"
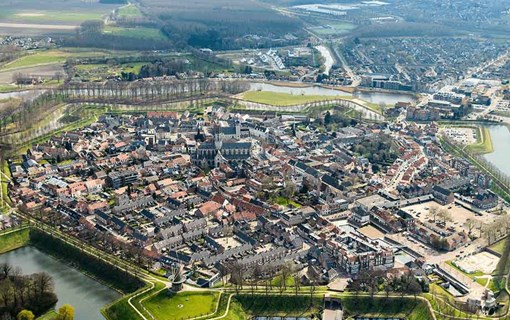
458 214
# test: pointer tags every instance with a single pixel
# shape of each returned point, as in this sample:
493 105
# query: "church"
225 148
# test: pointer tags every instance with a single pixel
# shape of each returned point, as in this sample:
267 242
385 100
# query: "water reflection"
500 136
85 294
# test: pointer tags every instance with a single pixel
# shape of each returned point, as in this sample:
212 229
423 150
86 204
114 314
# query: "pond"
388 98
85 294
500 136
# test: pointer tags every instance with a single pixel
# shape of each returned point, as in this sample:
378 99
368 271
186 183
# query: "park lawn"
285 99
498 246
129 11
182 305
13 240
282 201
138 32
289 282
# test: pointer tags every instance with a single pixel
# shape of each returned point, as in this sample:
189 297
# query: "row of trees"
17 291
119 278
377 281
283 278
499 178
31 112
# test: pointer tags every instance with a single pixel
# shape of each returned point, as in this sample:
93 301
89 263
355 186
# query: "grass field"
7 88
53 16
498 246
42 57
100 71
282 201
47 57
333 28
183 305
129 11
284 99
139 32
280 99
13 240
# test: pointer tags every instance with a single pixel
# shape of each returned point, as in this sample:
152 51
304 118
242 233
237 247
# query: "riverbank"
46 250
114 277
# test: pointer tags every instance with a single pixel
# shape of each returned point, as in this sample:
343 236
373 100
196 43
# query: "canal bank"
500 137
73 287
81 279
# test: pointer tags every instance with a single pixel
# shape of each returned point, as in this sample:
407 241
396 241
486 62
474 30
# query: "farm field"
51 56
129 11
40 17
99 71
52 12
333 28
6 76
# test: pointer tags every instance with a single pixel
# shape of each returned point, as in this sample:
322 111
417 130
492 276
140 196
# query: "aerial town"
265 160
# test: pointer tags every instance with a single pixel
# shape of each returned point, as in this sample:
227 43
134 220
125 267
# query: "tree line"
117 277
31 112
18 292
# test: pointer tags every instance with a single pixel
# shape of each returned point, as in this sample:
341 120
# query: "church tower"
218 141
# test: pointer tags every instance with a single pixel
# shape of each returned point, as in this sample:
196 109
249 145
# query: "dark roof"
228 130
236 145
102 214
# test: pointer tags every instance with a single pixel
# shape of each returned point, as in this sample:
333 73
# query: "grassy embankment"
246 306
165 306
281 99
483 141
13 239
